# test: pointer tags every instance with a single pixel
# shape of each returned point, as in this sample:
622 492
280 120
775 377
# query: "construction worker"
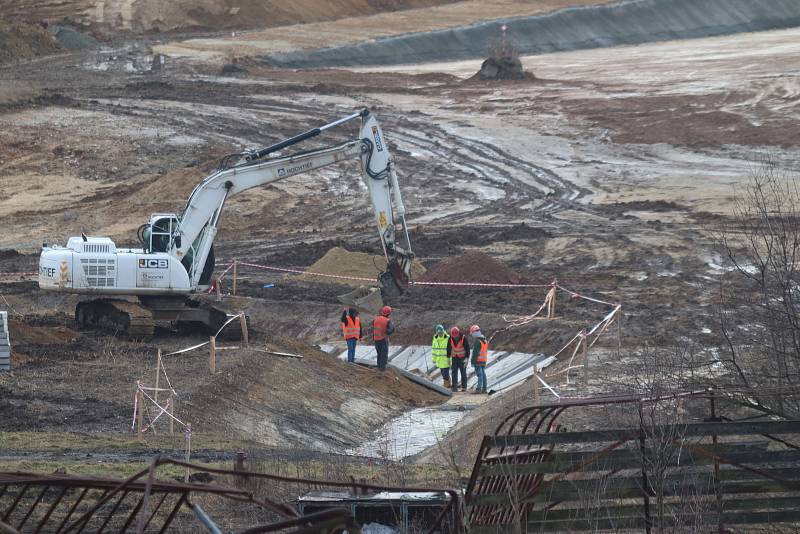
457 351
439 353
382 328
480 356
351 330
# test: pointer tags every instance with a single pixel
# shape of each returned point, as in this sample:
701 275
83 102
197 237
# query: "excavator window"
160 234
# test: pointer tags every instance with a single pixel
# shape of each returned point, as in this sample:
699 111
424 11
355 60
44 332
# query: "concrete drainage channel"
418 429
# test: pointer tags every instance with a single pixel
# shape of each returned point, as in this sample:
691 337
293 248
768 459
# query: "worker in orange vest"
457 351
480 357
351 330
382 328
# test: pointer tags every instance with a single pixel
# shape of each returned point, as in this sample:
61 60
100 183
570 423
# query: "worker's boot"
484 391
446 383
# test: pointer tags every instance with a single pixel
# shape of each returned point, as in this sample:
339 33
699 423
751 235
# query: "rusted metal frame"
171 516
111 513
156 509
132 515
106 497
50 510
577 467
32 508
147 490
717 486
127 483
293 480
495 514
530 483
768 436
648 521
164 461
72 510
16 502
721 459
438 521
473 480
330 513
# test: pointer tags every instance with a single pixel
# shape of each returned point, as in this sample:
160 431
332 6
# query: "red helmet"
474 328
454 332
386 311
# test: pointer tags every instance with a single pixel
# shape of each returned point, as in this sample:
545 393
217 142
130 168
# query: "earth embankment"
623 23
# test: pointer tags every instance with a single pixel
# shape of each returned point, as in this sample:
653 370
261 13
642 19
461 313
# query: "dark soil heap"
503 68
474 267
23 41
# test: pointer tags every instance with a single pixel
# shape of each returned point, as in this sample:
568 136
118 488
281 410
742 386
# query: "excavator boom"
177 256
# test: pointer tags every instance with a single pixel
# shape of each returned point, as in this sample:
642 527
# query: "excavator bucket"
364 299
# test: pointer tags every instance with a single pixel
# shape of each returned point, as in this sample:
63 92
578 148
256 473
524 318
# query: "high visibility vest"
457 349
351 328
379 327
439 351
483 355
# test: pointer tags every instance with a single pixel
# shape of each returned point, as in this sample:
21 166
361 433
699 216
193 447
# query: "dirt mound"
473 266
502 69
26 334
20 41
340 262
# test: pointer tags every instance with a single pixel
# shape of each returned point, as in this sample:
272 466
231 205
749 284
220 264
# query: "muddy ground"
610 172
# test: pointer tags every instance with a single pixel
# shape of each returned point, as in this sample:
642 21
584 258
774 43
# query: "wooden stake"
235 269
619 333
245 336
212 354
585 355
187 441
172 413
139 413
158 375
219 289
551 307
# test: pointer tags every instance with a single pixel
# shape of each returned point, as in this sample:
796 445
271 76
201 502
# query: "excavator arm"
194 235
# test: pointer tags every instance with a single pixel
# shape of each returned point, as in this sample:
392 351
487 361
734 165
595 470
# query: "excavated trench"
622 23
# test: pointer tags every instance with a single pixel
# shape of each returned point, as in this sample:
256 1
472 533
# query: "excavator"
136 289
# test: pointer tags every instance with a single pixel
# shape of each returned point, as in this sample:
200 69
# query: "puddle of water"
410 433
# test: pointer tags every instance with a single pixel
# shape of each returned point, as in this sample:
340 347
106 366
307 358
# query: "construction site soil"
610 173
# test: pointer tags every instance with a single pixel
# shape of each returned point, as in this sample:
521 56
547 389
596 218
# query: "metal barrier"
531 476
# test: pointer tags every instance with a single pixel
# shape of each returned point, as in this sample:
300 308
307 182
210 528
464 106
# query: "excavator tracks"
117 316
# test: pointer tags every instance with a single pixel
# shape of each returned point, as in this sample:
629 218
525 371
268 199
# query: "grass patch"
29 442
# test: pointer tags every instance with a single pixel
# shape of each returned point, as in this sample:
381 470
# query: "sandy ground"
607 172
361 28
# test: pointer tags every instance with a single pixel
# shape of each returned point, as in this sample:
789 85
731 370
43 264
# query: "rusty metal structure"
149 502
533 476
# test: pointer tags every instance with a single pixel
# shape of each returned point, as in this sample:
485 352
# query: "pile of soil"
474 267
20 41
26 334
342 262
502 68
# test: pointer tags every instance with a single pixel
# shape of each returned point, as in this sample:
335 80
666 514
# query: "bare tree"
759 312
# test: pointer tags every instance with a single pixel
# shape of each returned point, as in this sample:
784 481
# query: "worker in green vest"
439 353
